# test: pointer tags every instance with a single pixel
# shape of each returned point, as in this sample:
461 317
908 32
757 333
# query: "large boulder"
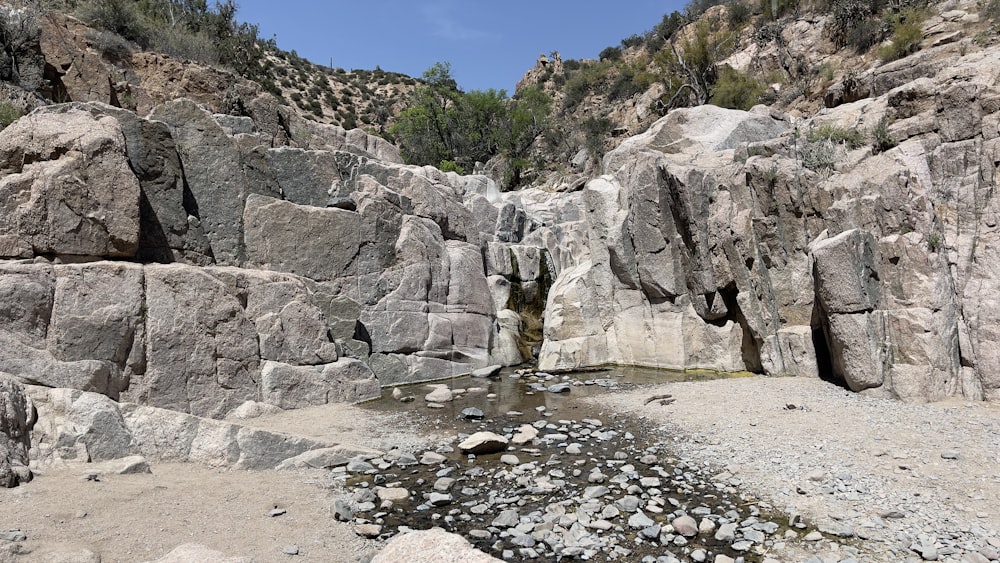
431 546
98 314
81 426
49 335
66 187
17 417
202 355
328 251
290 387
219 174
169 227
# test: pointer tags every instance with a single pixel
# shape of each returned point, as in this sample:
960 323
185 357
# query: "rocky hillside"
56 56
798 57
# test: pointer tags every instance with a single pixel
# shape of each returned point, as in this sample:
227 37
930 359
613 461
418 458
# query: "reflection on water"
521 393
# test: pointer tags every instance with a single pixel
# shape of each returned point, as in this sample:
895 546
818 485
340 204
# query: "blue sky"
489 44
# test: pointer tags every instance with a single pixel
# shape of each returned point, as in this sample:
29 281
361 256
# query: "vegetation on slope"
565 114
454 130
209 33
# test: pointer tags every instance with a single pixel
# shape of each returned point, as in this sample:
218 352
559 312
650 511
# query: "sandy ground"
142 517
835 458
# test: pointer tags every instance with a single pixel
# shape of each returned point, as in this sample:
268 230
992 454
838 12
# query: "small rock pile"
559 489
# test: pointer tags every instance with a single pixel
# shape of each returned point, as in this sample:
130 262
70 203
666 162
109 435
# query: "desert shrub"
866 33
838 135
9 114
818 155
637 40
774 9
825 144
739 14
450 166
906 35
575 91
736 90
185 29
181 44
991 9
850 23
111 45
120 17
628 82
881 140
595 130
934 242
657 37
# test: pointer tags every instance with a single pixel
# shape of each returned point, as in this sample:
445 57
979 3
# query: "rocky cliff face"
728 240
183 261
196 264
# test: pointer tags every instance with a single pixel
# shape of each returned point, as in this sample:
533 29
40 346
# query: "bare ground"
837 458
142 517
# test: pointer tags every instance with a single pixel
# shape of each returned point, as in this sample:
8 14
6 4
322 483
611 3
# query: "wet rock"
726 532
342 511
472 413
392 493
359 466
506 519
836 529
483 443
639 521
525 434
432 458
439 395
440 499
443 484
559 388
488 371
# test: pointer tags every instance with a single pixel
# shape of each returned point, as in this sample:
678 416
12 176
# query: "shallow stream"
591 485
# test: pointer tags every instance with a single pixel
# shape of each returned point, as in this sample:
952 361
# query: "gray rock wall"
297 275
311 266
732 241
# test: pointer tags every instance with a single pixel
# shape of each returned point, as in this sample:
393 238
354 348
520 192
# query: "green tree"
422 128
689 69
528 118
446 127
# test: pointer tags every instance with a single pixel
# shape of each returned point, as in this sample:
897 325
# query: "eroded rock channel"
534 473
